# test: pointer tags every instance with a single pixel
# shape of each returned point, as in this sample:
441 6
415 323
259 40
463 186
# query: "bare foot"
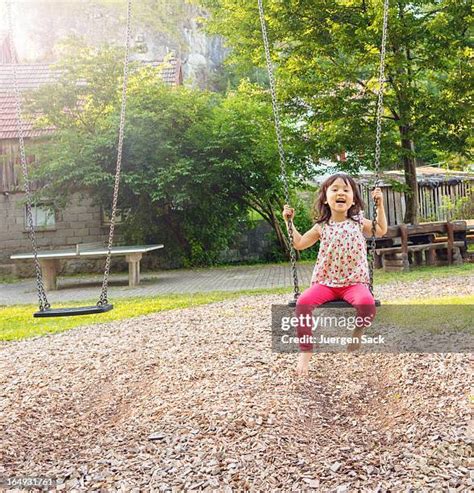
356 334
303 364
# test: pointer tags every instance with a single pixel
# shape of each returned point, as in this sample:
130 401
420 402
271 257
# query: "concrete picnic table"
50 265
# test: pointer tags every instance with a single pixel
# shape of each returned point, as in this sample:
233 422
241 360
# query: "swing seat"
102 306
70 312
333 304
341 304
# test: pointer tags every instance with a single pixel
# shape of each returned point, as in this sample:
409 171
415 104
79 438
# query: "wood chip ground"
194 400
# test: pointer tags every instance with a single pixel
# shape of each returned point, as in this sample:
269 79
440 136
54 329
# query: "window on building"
120 216
43 216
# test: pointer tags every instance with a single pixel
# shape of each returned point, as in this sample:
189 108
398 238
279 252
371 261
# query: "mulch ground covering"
194 399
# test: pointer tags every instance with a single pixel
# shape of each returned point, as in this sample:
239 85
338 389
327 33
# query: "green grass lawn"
452 314
7 279
17 322
422 273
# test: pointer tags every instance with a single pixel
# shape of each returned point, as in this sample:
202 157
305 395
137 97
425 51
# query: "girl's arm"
301 242
381 226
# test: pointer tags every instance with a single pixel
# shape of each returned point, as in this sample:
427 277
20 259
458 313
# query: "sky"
38 23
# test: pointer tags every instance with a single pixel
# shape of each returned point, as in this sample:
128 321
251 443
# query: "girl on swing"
341 271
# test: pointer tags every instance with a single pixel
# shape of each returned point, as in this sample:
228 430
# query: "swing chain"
281 151
381 82
378 137
103 295
372 246
42 297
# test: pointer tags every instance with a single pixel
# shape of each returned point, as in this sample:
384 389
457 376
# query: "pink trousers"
358 295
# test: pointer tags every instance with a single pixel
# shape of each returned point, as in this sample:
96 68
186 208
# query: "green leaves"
194 162
327 52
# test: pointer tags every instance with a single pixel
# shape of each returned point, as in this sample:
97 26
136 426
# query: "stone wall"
80 222
252 244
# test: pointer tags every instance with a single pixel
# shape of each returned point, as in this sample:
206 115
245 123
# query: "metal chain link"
103 295
281 151
42 297
378 138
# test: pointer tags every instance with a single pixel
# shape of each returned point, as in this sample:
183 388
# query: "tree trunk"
267 210
173 225
280 234
409 165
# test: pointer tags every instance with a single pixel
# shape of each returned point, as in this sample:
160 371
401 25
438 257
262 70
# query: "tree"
327 54
167 194
242 148
193 161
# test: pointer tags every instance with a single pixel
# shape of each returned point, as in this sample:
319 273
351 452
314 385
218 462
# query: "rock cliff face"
158 27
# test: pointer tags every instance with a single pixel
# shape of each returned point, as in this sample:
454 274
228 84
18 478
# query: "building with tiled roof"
29 77
82 221
33 76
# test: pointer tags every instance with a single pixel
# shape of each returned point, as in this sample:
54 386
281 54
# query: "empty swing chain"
42 297
378 136
103 295
281 151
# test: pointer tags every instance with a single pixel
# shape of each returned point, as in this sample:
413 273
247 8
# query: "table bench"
406 240
50 260
392 257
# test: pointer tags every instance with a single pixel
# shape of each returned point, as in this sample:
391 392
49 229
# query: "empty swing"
103 304
281 152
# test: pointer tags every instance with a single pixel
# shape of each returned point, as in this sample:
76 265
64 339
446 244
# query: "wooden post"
50 269
450 231
133 268
418 258
377 261
393 262
404 239
430 256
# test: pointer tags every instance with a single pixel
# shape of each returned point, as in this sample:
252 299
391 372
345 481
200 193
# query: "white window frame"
44 217
120 216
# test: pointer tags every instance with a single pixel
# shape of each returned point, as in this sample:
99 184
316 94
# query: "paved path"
163 282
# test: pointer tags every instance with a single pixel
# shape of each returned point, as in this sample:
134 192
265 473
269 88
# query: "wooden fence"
9 170
434 200
11 176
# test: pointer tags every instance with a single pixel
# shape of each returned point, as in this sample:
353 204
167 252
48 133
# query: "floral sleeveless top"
342 257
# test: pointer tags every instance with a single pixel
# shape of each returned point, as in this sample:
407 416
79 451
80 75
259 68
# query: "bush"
459 209
302 203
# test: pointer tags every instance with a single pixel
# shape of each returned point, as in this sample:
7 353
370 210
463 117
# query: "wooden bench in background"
408 243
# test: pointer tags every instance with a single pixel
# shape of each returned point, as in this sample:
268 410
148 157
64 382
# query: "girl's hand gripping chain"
288 213
377 196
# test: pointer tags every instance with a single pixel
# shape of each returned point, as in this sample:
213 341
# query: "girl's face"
340 196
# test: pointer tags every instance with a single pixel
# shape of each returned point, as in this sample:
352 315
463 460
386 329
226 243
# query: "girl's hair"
322 211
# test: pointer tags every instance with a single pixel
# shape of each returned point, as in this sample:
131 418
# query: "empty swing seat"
71 312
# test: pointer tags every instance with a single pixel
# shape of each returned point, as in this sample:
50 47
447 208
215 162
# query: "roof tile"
32 76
